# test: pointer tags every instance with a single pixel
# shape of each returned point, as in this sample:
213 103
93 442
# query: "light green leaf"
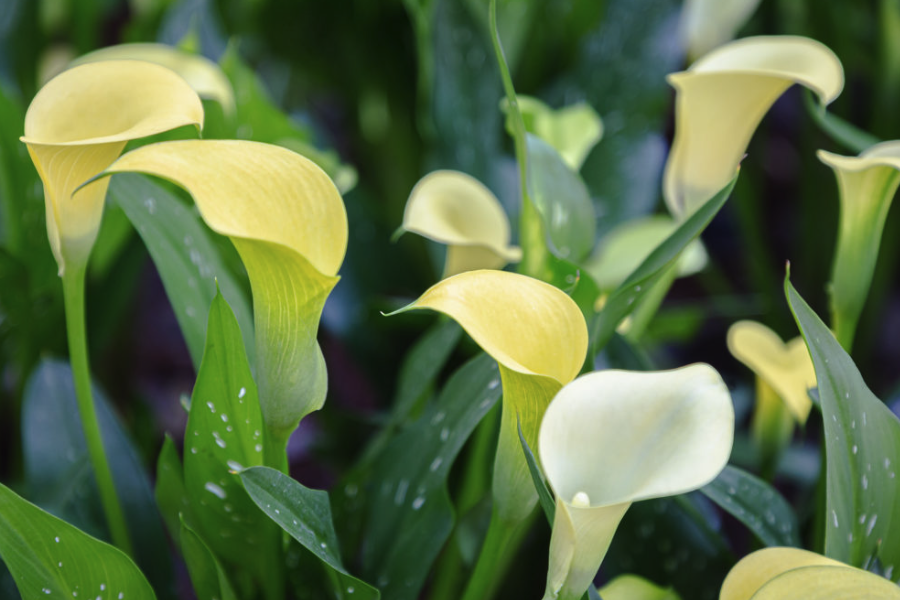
49 557
653 270
756 504
207 575
862 448
184 254
411 516
171 495
561 197
224 434
60 478
844 133
305 515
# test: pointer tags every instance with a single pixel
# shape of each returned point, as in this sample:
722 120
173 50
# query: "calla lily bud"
456 209
720 101
288 223
538 336
611 438
79 123
867 184
788 573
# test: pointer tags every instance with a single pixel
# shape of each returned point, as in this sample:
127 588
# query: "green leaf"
305 515
653 270
185 255
862 451
846 134
410 515
757 505
562 199
171 496
207 575
60 478
548 504
50 558
224 435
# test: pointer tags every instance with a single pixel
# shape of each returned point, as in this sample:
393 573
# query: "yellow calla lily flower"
456 209
707 24
572 130
202 74
632 587
788 573
288 223
538 336
79 123
867 185
721 99
611 438
786 368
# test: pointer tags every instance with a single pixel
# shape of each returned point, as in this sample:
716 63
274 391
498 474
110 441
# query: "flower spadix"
289 225
611 438
458 210
538 336
79 123
202 74
867 184
785 368
788 573
722 98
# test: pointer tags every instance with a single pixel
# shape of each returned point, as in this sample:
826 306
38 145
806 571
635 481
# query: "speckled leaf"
185 256
862 450
628 295
410 514
207 575
59 475
51 559
224 435
757 505
305 515
171 496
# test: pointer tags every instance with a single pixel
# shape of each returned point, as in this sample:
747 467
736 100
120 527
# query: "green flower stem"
73 296
276 450
497 552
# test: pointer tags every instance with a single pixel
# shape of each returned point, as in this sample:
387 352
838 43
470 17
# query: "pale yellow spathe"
611 438
539 337
288 222
722 98
788 573
456 209
786 368
572 130
707 24
79 123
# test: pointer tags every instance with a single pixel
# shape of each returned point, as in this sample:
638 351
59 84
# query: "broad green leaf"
571 130
777 573
632 587
203 75
756 504
292 244
561 197
186 258
849 136
867 184
59 475
452 208
224 434
305 515
80 122
862 449
628 295
170 493
682 418
540 346
721 99
258 119
207 575
49 557
410 513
